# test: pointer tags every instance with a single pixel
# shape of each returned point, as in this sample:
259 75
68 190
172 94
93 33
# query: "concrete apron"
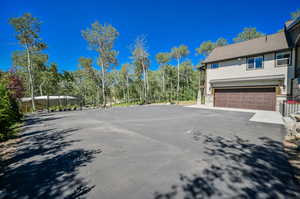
271 117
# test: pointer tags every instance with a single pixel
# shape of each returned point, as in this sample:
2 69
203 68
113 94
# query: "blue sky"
166 23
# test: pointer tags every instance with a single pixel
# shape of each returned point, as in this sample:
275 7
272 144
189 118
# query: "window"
259 62
250 63
255 62
215 65
283 58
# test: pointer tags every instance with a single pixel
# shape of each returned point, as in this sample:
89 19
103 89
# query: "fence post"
48 103
283 108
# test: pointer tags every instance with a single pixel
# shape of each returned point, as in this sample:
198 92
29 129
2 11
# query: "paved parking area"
155 151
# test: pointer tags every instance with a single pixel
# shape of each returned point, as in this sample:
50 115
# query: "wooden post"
48 103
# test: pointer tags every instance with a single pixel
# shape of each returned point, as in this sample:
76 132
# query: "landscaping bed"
292 148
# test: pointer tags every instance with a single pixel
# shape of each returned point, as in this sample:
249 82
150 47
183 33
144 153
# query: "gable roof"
291 23
264 44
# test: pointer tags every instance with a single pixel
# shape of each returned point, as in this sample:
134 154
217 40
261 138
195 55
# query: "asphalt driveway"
155 151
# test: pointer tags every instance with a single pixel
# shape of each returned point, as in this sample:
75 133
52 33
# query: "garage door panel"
249 98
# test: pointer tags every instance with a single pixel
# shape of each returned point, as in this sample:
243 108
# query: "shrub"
52 108
73 107
9 113
56 108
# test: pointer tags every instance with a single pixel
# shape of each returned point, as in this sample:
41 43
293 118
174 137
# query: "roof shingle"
264 44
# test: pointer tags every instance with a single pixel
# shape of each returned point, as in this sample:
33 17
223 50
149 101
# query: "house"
255 74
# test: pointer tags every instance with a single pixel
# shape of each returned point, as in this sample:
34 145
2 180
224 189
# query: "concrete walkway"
271 117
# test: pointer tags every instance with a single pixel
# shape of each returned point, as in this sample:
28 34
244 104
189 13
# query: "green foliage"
207 47
179 52
134 83
96 80
63 108
74 107
52 108
101 38
162 58
141 62
247 34
87 66
28 28
9 113
296 14
125 104
221 42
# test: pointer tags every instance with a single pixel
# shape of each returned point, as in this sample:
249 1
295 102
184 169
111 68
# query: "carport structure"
44 102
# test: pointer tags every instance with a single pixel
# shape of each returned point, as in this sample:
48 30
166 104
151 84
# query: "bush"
74 107
9 113
58 108
52 108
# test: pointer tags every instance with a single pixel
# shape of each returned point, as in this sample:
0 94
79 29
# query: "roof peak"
250 40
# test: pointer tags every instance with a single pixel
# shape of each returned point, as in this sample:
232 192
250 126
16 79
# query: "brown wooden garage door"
247 98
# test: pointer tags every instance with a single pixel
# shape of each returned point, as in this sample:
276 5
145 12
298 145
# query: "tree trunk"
200 97
203 86
164 87
41 88
30 77
127 85
48 102
103 84
97 97
187 92
145 83
178 64
59 100
171 91
124 94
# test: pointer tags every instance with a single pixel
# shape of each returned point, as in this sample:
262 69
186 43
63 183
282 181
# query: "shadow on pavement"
244 170
42 167
36 119
39 118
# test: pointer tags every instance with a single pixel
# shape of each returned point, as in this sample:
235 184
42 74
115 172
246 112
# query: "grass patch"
125 104
186 102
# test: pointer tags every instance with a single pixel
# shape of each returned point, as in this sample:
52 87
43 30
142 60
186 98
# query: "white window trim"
254 68
284 52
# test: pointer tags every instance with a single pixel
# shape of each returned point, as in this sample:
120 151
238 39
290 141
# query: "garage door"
247 98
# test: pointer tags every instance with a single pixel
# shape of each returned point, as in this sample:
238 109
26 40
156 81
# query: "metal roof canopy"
27 99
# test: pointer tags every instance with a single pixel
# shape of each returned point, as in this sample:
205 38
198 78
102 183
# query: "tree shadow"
43 167
39 118
55 177
36 119
239 169
41 143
